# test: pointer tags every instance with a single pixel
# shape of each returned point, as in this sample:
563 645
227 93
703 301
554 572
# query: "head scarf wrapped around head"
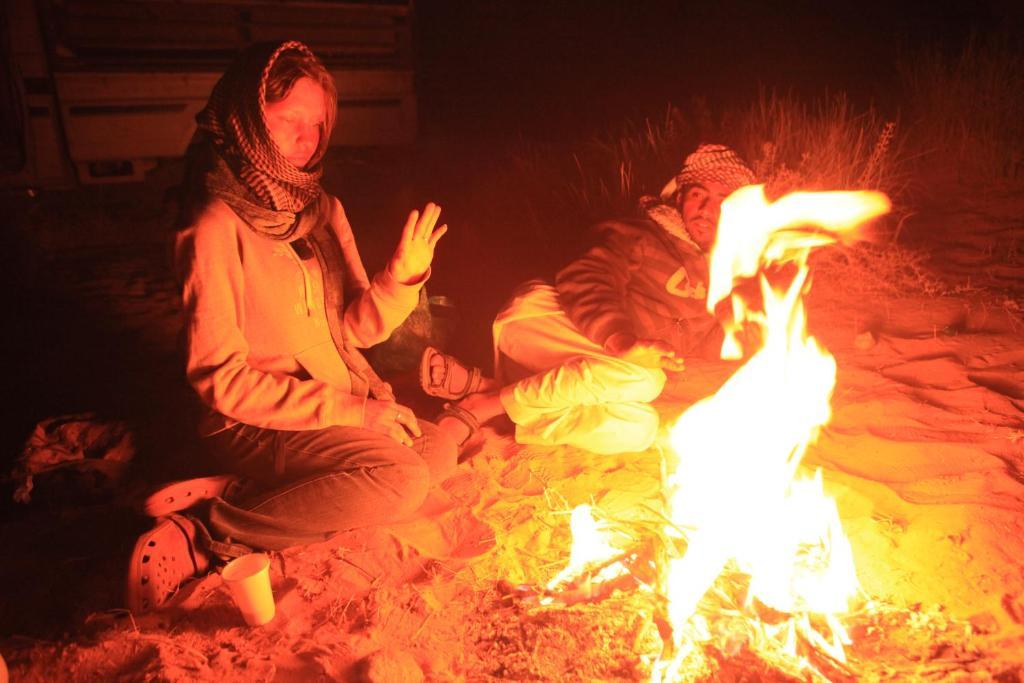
259 183
710 163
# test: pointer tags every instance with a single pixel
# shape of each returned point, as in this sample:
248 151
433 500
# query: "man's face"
701 205
297 122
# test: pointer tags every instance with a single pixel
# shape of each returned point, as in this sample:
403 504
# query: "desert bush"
791 143
613 171
602 177
967 110
821 144
872 268
560 189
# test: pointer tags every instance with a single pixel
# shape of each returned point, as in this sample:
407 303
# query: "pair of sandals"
169 554
451 386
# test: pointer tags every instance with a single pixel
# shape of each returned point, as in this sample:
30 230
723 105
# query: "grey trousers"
303 487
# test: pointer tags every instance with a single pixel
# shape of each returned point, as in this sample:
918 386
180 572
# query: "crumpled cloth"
82 441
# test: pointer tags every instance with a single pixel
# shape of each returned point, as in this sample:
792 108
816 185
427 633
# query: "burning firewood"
789 541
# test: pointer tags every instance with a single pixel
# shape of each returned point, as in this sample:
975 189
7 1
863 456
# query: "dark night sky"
501 67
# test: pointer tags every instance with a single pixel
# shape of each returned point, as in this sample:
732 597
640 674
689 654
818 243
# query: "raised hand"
393 419
416 247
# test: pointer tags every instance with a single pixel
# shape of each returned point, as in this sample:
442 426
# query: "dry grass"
604 176
826 144
822 144
611 172
790 143
967 111
962 116
877 269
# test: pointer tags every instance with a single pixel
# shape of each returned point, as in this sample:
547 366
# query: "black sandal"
465 417
443 389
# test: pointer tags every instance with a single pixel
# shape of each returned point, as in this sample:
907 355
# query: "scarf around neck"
668 218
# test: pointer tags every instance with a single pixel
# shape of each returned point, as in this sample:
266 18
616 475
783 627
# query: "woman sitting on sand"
277 302
579 363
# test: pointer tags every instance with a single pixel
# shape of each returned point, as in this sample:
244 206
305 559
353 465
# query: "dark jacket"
642 280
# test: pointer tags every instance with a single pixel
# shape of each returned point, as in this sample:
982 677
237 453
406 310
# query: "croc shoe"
164 557
181 495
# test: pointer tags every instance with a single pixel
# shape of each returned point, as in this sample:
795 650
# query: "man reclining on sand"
580 362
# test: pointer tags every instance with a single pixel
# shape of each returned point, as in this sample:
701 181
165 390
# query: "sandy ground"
924 453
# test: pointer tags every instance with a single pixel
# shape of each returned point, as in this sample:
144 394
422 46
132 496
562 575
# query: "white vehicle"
100 90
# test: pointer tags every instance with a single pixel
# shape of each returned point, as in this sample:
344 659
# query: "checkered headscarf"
710 163
233 121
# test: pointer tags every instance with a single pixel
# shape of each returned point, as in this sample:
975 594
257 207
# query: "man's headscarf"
259 183
710 163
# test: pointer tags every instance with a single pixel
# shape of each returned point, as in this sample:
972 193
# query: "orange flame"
592 544
734 482
753 232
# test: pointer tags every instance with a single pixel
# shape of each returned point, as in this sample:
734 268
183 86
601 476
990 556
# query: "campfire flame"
733 482
592 545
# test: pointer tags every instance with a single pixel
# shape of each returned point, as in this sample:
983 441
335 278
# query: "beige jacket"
259 350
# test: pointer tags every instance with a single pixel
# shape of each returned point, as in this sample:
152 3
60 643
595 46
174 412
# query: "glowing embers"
735 501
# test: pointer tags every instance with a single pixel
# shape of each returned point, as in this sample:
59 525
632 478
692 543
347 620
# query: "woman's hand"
393 419
649 353
416 248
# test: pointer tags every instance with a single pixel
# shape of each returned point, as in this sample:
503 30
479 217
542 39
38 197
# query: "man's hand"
649 353
393 419
416 247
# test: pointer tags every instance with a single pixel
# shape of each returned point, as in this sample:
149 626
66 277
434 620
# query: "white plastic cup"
248 580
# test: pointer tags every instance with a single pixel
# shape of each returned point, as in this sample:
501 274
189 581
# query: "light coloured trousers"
562 388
